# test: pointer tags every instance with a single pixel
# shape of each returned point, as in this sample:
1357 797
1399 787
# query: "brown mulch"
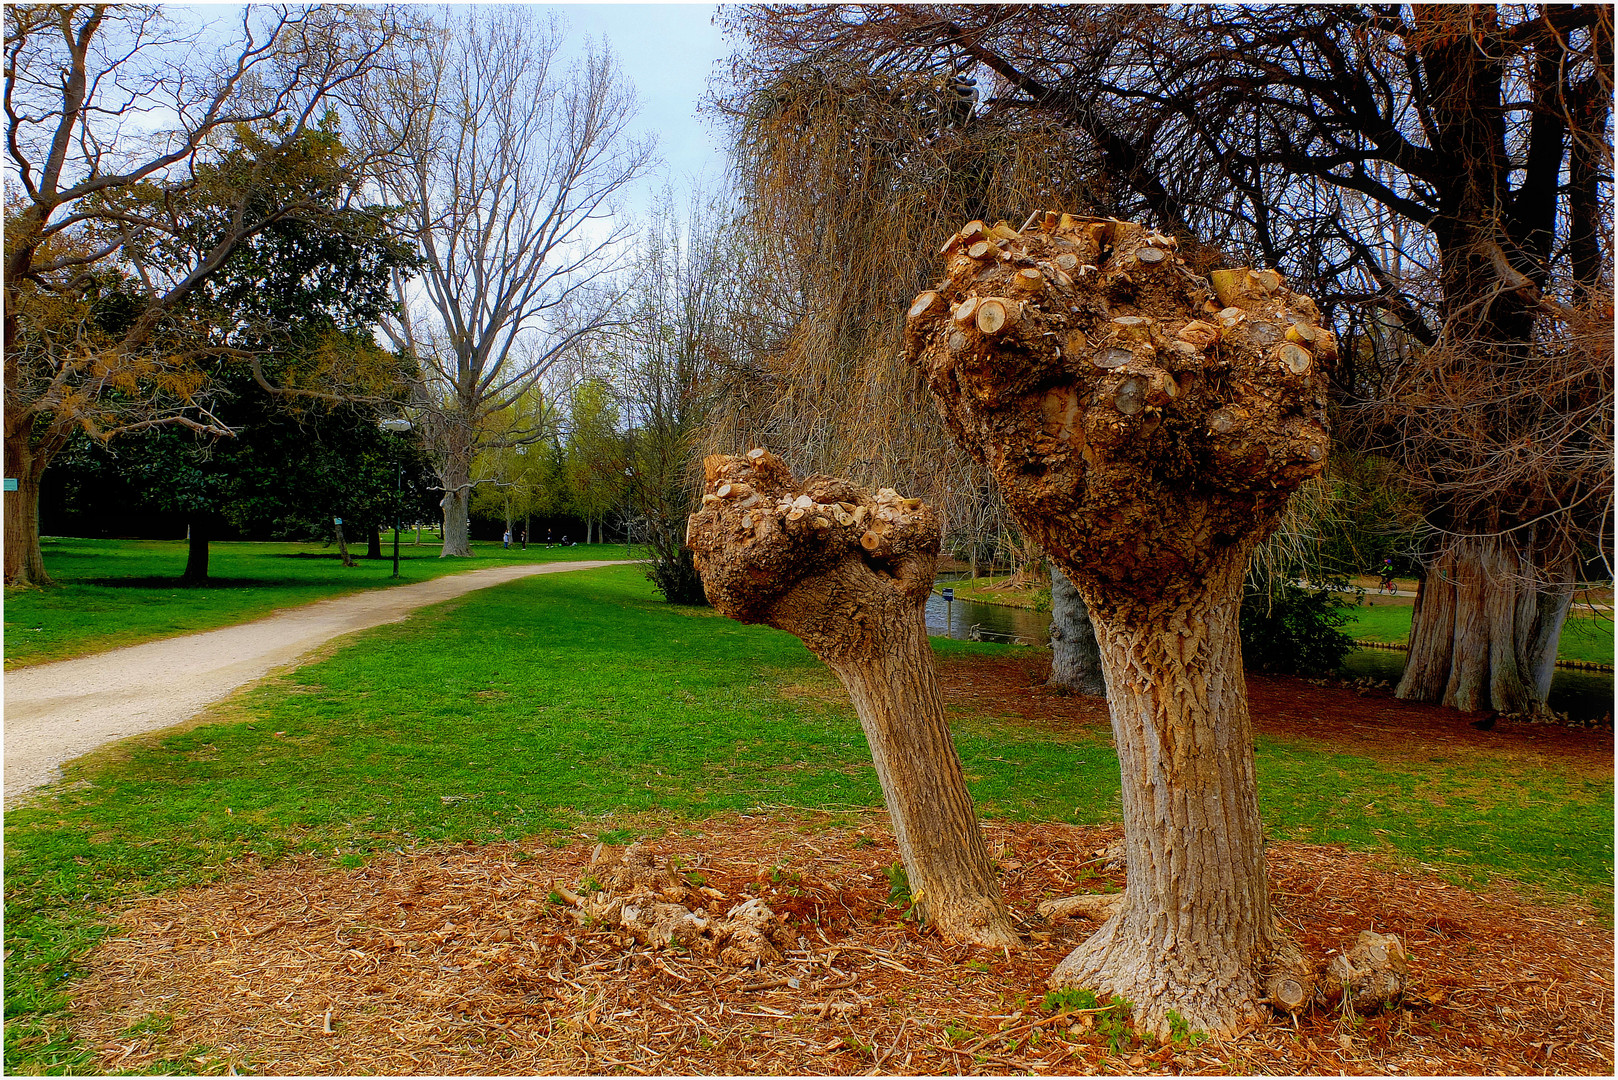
454 960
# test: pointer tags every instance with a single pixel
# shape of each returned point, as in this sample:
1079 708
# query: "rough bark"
1146 427
1485 627
373 541
1195 933
199 531
1075 655
25 562
849 574
456 476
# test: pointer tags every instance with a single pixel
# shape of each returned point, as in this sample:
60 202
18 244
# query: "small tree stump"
1372 975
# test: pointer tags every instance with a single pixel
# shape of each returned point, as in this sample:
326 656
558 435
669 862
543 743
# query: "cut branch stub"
1181 407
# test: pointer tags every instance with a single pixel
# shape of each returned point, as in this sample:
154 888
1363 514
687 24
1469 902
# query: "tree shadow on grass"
181 583
387 555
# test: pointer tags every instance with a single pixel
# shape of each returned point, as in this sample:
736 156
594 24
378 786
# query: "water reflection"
994 623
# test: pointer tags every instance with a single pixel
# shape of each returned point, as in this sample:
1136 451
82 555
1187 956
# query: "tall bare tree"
114 115
509 167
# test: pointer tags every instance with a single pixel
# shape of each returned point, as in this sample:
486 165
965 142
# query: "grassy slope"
111 593
575 700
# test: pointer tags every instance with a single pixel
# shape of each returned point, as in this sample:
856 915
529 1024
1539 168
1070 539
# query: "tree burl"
1146 426
849 573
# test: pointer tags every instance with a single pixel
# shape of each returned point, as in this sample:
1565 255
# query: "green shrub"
673 574
1288 630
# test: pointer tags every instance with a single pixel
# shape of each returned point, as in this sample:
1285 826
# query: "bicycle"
1387 585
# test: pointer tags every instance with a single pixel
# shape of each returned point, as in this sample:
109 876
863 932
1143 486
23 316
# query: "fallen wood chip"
1091 906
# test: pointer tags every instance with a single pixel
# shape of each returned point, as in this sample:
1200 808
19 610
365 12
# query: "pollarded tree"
1147 429
850 574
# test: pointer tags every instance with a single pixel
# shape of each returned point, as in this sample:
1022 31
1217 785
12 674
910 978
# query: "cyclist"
1386 584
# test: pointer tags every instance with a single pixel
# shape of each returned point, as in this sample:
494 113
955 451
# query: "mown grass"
1585 636
579 701
111 593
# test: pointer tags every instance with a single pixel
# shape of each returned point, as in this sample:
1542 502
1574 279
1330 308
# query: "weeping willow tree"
851 173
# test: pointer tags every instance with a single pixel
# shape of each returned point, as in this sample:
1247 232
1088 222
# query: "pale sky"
668 51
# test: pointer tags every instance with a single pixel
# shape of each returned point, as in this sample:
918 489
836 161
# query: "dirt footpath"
57 712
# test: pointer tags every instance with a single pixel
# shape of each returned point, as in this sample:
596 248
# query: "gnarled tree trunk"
1195 932
456 476
25 562
1486 624
1146 427
1075 656
849 574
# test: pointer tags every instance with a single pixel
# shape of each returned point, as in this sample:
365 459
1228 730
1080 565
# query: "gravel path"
57 712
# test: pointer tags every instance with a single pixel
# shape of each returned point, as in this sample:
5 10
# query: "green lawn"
110 593
1585 636
579 700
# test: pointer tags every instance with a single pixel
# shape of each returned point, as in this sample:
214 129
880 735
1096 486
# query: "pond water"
988 622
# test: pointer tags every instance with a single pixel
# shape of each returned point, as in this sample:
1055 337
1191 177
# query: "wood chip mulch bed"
454 960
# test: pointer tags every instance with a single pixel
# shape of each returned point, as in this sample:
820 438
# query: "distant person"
1387 575
505 540
548 541
522 535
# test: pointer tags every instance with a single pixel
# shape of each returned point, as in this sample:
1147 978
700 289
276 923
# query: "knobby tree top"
1141 419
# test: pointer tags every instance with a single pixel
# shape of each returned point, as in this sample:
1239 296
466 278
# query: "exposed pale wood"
1199 333
996 314
925 302
1295 357
1288 993
1030 280
1229 285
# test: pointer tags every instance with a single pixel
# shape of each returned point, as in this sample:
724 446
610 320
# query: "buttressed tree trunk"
849 574
1146 426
